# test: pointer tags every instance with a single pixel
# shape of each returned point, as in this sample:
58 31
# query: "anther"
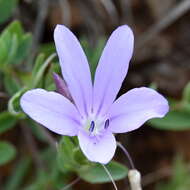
107 122
92 125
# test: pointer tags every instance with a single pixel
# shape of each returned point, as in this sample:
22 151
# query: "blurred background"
160 149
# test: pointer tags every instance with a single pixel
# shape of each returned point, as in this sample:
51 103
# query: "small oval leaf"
95 173
174 120
7 121
7 152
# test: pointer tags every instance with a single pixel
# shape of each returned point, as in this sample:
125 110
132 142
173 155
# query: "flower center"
95 127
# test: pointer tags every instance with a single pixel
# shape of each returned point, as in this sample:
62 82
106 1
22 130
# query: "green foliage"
38 63
48 176
43 181
6 9
14 45
40 69
7 121
11 84
186 93
71 159
14 103
7 152
19 173
95 173
180 177
66 153
47 49
174 120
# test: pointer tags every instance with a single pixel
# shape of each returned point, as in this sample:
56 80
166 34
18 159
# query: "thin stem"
127 154
156 175
43 6
109 174
163 23
66 12
72 183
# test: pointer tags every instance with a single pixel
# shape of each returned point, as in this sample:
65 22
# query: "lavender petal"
75 68
98 149
52 110
112 68
134 108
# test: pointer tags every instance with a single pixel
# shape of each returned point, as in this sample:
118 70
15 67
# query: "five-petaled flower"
93 114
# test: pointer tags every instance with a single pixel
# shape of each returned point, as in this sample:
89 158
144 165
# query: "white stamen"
135 179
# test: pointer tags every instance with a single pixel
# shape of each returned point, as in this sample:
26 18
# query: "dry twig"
65 12
155 176
43 6
167 20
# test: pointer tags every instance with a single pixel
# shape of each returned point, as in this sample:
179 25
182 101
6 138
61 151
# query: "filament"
127 154
110 176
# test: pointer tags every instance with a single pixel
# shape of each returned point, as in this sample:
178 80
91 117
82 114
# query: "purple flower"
95 114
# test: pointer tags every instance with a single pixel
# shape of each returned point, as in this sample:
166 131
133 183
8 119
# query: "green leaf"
7 121
14 45
15 28
65 158
14 103
79 157
23 48
4 53
47 49
9 43
95 173
6 9
14 181
48 82
5 46
7 152
11 84
174 120
40 72
38 63
13 49
186 93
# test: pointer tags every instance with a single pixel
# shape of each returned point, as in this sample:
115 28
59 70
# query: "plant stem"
127 154
109 174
